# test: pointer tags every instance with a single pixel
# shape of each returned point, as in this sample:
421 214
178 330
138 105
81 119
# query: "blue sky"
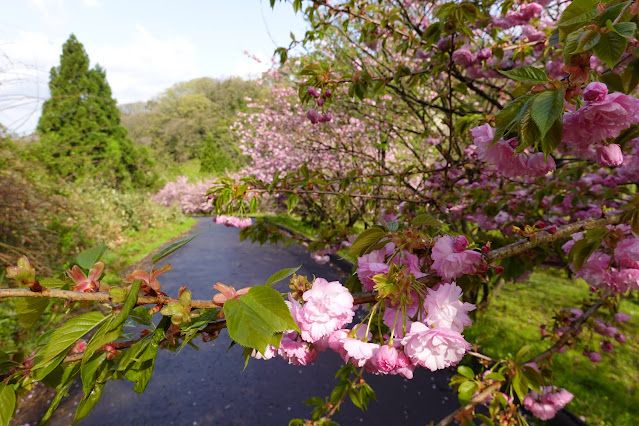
145 46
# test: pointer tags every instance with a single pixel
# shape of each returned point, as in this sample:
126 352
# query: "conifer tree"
80 130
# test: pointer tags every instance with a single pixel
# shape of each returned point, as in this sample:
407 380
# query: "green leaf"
44 339
579 19
527 73
87 258
291 202
547 108
7 403
171 248
509 115
495 376
280 275
128 305
529 134
610 48
425 220
103 335
587 40
30 310
365 240
466 391
64 337
88 402
522 353
575 13
68 378
520 386
90 369
613 80
254 318
625 29
584 248
466 372
611 13
553 138
484 419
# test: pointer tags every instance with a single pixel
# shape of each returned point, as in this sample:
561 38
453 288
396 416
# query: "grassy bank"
605 393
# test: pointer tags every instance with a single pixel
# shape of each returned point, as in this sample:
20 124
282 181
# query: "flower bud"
609 155
595 92
499 269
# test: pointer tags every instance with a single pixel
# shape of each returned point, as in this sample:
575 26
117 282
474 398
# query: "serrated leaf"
579 19
171 248
365 240
625 29
280 275
7 404
529 134
64 337
520 386
584 248
526 73
87 258
127 306
610 48
484 419
425 220
587 40
546 109
30 310
87 403
90 370
553 138
103 335
509 115
611 13
466 372
255 317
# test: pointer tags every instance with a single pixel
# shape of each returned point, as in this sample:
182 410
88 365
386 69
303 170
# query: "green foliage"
258 318
191 121
7 404
80 130
605 393
280 275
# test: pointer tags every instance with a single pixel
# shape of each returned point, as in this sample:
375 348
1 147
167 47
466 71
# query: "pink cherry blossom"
445 310
296 352
232 221
450 261
622 317
386 358
545 405
627 252
328 307
358 352
434 348
609 155
372 264
84 283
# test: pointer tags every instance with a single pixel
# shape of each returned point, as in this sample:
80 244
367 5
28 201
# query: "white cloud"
147 65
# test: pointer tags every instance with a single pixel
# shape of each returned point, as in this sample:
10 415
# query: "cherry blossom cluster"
232 221
602 117
614 265
545 405
189 197
425 333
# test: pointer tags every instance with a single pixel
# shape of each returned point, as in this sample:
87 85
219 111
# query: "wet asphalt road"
208 387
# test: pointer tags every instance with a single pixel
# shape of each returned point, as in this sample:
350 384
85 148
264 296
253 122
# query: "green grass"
294 223
606 393
142 245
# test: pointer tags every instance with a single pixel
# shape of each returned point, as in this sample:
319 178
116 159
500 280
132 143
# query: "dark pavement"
208 387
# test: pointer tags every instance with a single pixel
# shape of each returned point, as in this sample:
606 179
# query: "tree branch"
99 297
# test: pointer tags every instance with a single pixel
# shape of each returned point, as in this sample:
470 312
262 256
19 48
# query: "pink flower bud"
320 102
327 94
499 269
595 92
594 356
620 338
313 116
621 317
609 155
386 358
606 346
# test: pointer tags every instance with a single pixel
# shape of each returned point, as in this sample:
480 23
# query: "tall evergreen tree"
80 130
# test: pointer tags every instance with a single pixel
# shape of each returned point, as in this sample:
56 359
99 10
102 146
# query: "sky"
145 46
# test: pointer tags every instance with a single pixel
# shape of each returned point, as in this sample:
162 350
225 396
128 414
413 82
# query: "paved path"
208 387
